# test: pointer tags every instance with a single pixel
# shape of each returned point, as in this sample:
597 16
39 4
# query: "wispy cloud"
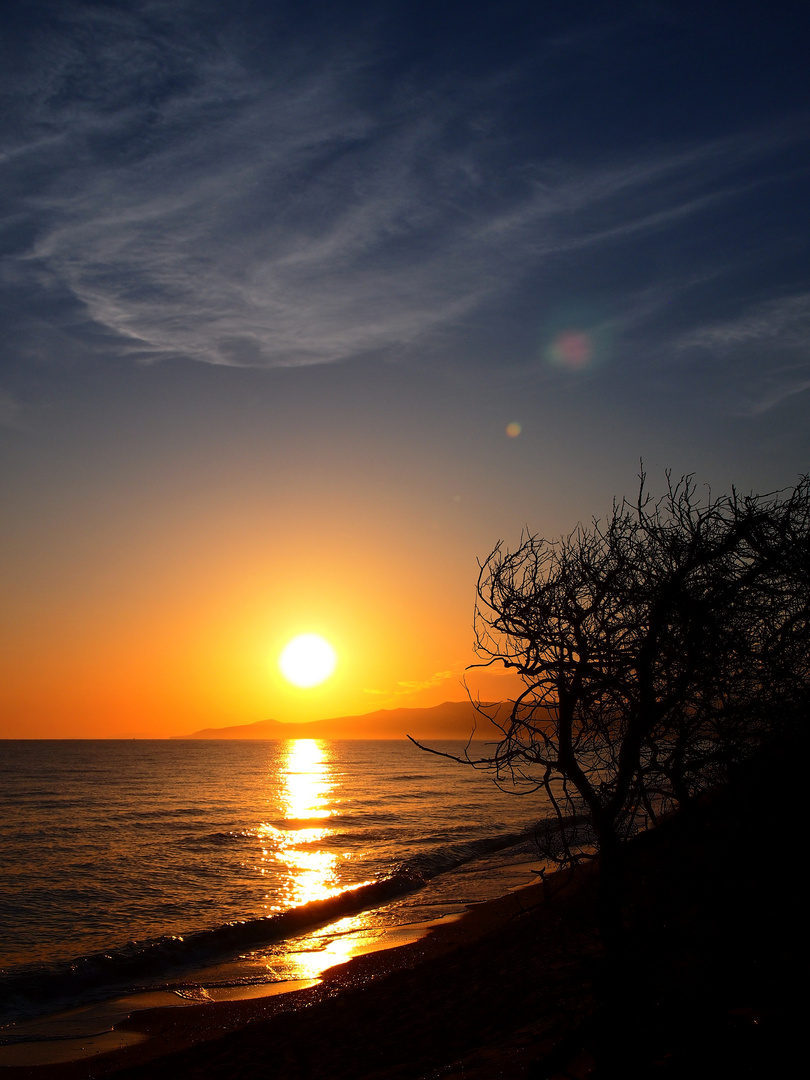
777 386
284 233
193 207
786 318
411 686
406 687
770 341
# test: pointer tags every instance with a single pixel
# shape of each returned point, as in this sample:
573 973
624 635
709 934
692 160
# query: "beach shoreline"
116 1023
328 944
518 987
157 1033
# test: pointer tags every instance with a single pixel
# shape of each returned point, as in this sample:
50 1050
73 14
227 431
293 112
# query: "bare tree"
658 648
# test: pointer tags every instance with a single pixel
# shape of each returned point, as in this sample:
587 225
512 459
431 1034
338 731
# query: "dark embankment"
518 989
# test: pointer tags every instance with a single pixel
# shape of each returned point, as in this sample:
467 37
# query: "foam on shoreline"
92 1030
144 1026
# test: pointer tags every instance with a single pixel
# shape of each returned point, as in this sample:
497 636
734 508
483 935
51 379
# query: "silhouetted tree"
658 648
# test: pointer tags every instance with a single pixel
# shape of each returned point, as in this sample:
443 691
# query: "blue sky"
318 257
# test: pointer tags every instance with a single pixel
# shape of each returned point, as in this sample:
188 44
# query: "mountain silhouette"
450 720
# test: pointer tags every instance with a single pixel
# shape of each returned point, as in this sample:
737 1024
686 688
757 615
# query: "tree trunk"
610 896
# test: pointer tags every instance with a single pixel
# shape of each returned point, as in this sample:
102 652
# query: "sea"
141 873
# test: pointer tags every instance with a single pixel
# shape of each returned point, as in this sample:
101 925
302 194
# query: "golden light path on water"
308 871
298 848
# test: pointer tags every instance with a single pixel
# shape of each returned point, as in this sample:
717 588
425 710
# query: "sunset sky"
306 305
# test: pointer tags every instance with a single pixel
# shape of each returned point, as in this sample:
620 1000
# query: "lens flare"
572 349
513 429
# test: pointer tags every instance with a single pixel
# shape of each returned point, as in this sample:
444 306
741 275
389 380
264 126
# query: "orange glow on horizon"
120 638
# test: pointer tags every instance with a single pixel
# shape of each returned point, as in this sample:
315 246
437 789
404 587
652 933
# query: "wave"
38 989
440 859
280 825
41 989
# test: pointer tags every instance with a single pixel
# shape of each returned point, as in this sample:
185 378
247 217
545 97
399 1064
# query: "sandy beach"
466 981
517 987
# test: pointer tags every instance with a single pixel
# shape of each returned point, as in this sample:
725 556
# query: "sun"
307 660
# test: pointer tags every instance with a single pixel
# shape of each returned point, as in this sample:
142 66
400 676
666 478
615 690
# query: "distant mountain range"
451 720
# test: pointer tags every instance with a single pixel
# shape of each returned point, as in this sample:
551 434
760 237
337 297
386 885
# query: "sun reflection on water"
342 940
309 872
307 781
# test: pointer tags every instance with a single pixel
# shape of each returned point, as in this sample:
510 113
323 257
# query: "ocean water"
199 868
